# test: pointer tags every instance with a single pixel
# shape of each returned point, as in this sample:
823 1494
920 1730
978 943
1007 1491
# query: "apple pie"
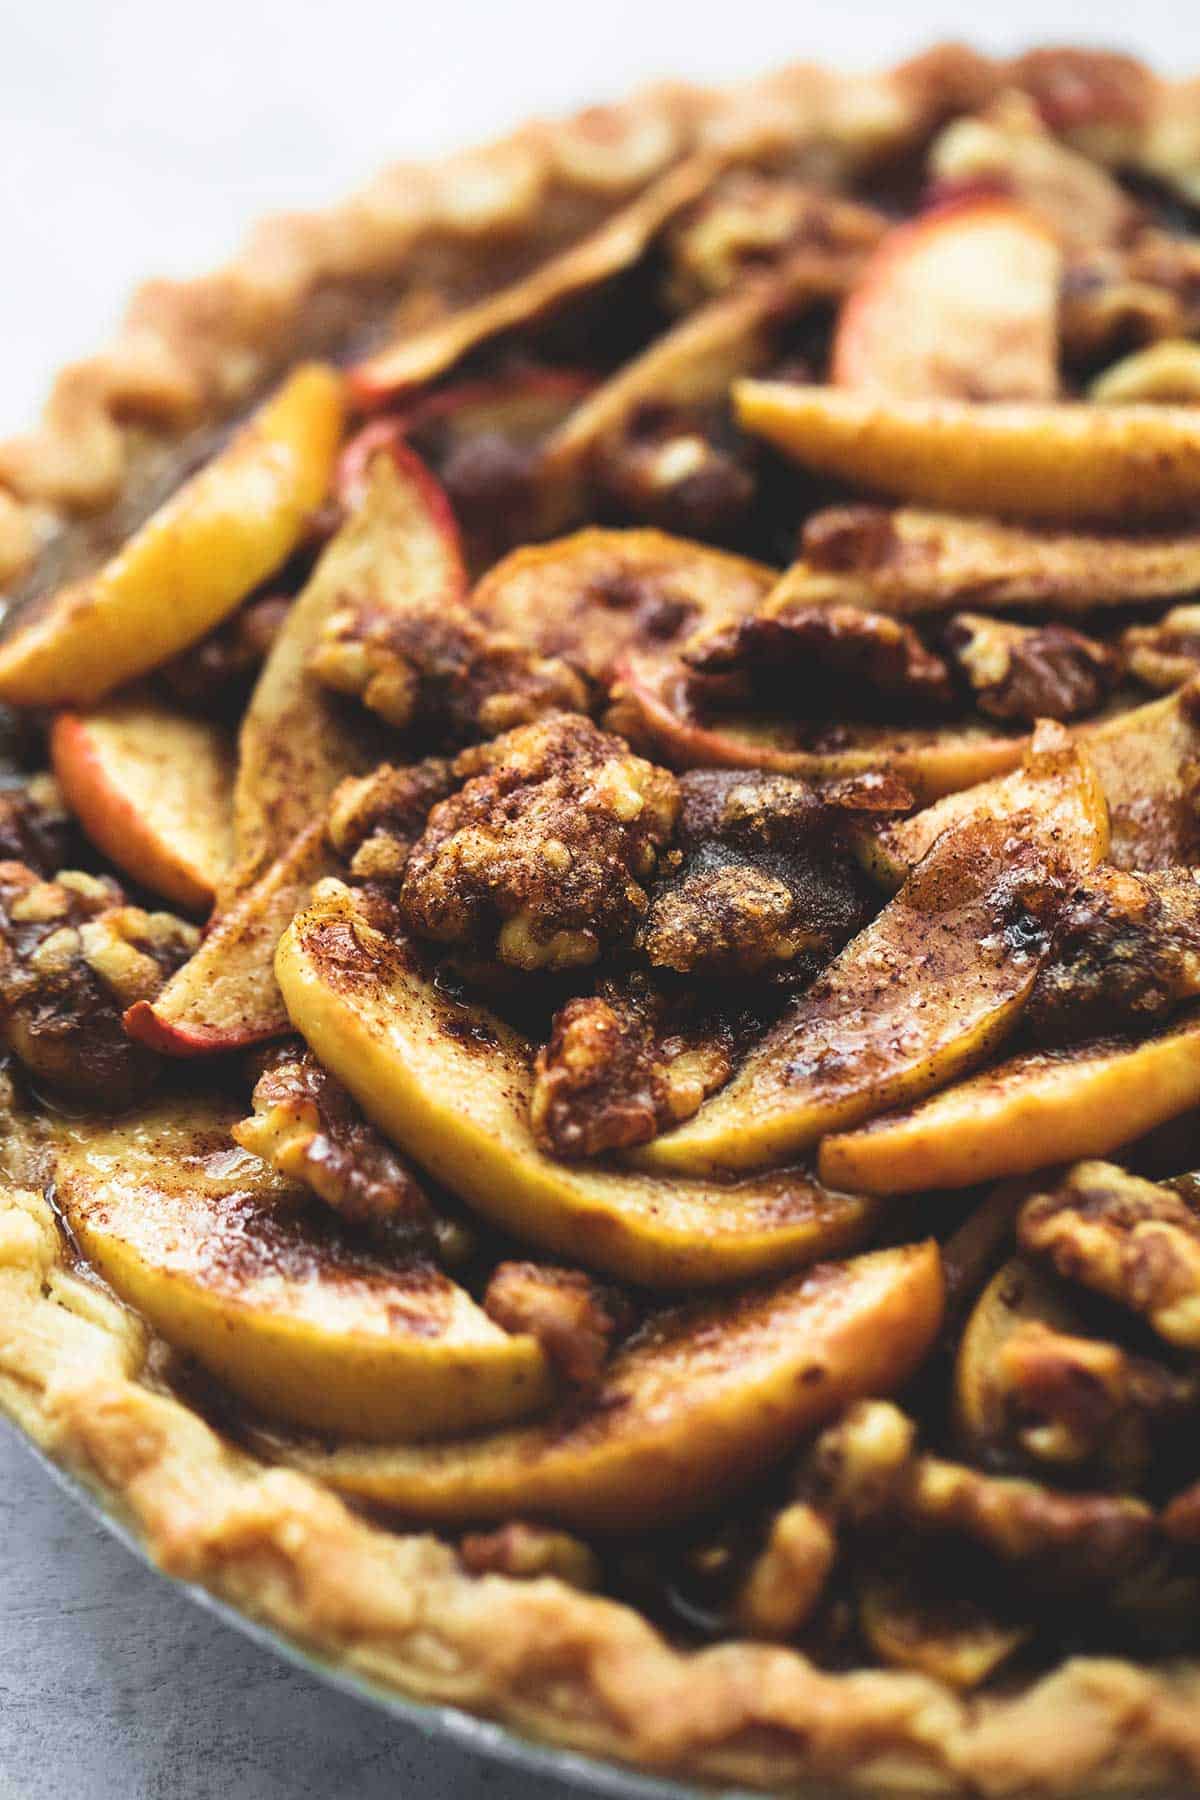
600 929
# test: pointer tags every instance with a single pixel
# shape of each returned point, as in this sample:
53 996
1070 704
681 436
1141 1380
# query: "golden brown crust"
537 1654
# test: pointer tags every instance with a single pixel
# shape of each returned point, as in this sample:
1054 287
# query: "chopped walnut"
826 658
1125 953
374 820
620 1067
541 858
867 1470
35 826
749 220
788 1577
1114 296
307 1126
757 880
1129 1239
73 958
524 1552
1029 672
217 674
1167 653
576 1321
1073 1400
678 468
438 671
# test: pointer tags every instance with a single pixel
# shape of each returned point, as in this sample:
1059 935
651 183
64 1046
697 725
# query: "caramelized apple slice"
959 304
191 563
1049 461
695 1406
399 548
1041 1107
899 559
225 997
619 243
153 789
927 990
1147 760
234 1264
651 707
451 1085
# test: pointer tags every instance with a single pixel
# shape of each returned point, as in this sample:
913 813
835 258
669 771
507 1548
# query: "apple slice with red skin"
225 997
153 789
961 303
651 707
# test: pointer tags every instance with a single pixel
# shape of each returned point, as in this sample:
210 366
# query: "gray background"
139 137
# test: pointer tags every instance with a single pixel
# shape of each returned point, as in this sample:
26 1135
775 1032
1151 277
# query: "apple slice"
237 1266
696 1406
1143 758
598 596
1041 1107
620 242
651 708
451 1084
153 789
398 549
903 560
191 563
961 303
225 997
929 989
1049 461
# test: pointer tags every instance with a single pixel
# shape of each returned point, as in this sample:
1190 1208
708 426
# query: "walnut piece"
576 1321
374 820
1029 672
757 880
867 1471
35 826
1166 654
679 468
439 672
826 658
542 857
788 1577
1125 953
1129 1239
621 1066
307 1126
73 958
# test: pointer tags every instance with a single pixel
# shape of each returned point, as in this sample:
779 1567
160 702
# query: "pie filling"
600 904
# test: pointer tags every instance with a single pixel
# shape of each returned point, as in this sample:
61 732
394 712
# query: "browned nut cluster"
73 958
542 858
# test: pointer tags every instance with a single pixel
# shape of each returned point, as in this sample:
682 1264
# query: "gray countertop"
113 1683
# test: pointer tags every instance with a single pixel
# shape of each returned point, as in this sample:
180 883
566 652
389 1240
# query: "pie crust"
77 1369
